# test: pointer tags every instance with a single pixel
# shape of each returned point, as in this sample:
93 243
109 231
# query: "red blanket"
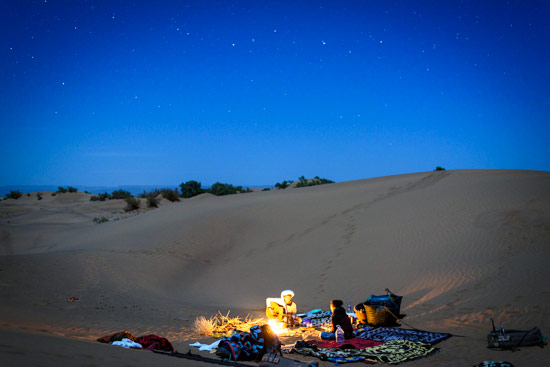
149 342
153 341
358 343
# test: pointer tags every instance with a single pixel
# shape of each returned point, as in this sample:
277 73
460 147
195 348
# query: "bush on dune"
190 189
99 220
145 194
171 195
132 203
62 190
152 202
14 194
313 182
100 197
220 189
283 185
120 194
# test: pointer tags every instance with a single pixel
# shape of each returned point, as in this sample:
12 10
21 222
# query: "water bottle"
349 306
340 335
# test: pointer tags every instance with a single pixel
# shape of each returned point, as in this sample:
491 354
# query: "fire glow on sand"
278 327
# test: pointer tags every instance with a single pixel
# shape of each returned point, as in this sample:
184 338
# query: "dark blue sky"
254 92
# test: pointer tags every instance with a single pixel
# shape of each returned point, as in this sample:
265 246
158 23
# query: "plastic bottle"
340 335
349 306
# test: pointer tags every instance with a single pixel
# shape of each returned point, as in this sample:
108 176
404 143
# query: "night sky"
255 92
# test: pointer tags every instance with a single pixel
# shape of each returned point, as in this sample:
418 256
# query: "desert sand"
460 246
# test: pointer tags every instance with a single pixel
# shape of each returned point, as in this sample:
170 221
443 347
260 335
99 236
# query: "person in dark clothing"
339 317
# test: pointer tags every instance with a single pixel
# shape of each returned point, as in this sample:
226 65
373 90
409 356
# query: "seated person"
339 317
283 309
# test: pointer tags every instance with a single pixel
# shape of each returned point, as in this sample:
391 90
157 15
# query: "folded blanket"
384 334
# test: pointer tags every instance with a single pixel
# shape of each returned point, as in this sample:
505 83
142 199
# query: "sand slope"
460 246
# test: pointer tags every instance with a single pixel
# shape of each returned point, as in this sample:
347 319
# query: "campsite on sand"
461 247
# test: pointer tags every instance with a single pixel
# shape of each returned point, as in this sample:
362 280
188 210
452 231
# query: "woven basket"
379 316
379 312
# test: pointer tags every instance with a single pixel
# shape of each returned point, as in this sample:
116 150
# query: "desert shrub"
72 189
99 220
190 189
28 194
14 194
100 197
120 194
438 168
132 203
39 195
283 185
152 202
171 195
145 194
87 192
220 189
303 182
53 194
266 189
61 190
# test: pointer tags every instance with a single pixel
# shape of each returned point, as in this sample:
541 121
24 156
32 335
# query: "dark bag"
510 339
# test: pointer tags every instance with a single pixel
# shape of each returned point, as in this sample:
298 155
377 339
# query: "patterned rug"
385 334
394 351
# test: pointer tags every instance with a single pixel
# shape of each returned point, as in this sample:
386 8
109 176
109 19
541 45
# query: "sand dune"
460 246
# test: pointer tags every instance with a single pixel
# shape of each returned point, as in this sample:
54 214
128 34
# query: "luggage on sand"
379 310
509 339
500 338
